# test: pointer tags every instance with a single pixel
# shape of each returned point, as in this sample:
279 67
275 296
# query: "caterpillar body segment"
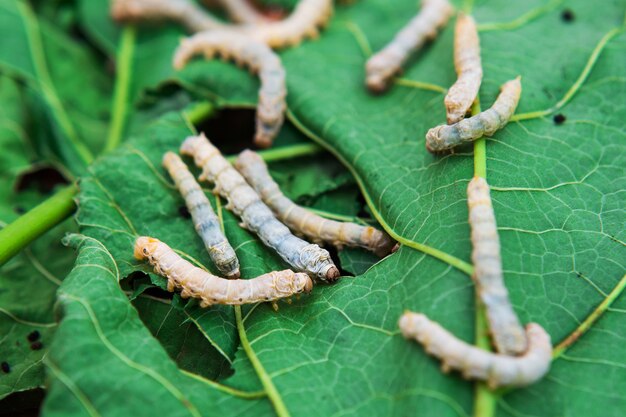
197 283
255 215
475 363
507 333
386 63
204 218
260 59
242 11
443 137
301 220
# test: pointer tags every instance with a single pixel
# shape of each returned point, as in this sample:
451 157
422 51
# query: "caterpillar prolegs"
255 215
302 221
198 283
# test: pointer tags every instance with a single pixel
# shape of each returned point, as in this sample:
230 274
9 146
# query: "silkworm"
255 215
242 11
468 67
382 66
185 12
198 283
301 220
444 137
259 58
507 332
204 218
475 363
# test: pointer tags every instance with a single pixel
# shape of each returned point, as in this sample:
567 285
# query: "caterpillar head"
303 282
145 247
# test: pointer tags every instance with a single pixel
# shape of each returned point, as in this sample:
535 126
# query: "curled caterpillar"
382 66
198 283
507 332
475 363
204 218
259 58
444 137
185 12
468 68
255 215
302 221
242 11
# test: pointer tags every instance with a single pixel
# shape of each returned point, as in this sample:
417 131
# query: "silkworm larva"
242 11
259 58
255 215
382 66
198 283
507 332
185 12
475 363
301 220
204 218
468 68
444 137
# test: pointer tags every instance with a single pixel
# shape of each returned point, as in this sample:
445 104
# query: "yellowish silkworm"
242 11
185 12
204 218
444 137
301 220
506 330
382 66
198 283
469 69
475 363
260 59
255 215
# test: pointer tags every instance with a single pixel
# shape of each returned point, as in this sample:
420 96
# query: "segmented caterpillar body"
198 283
382 66
259 58
506 330
204 218
185 12
475 363
302 221
255 215
242 11
468 67
444 137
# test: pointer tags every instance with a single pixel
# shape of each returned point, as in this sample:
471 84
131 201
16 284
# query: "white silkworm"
204 218
259 58
507 332
301 220
382 66
185 12
198 283
475 363
255 215
444 137
468 68
242 11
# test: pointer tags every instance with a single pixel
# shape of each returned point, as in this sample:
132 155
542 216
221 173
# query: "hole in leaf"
567 15
43 179
559 119
231 130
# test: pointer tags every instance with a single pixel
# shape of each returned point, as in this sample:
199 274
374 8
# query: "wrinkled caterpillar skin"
198 283
507 332
242 11
468 68
443 137
475 363
260 59
204 218
185 12
383 65
302 221
255 215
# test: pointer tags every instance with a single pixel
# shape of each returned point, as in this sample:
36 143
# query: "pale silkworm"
383 65
468 68
204 218
197 283
475 363
506 330
260 59
185 12
242 11
301 220
255 215
444 137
